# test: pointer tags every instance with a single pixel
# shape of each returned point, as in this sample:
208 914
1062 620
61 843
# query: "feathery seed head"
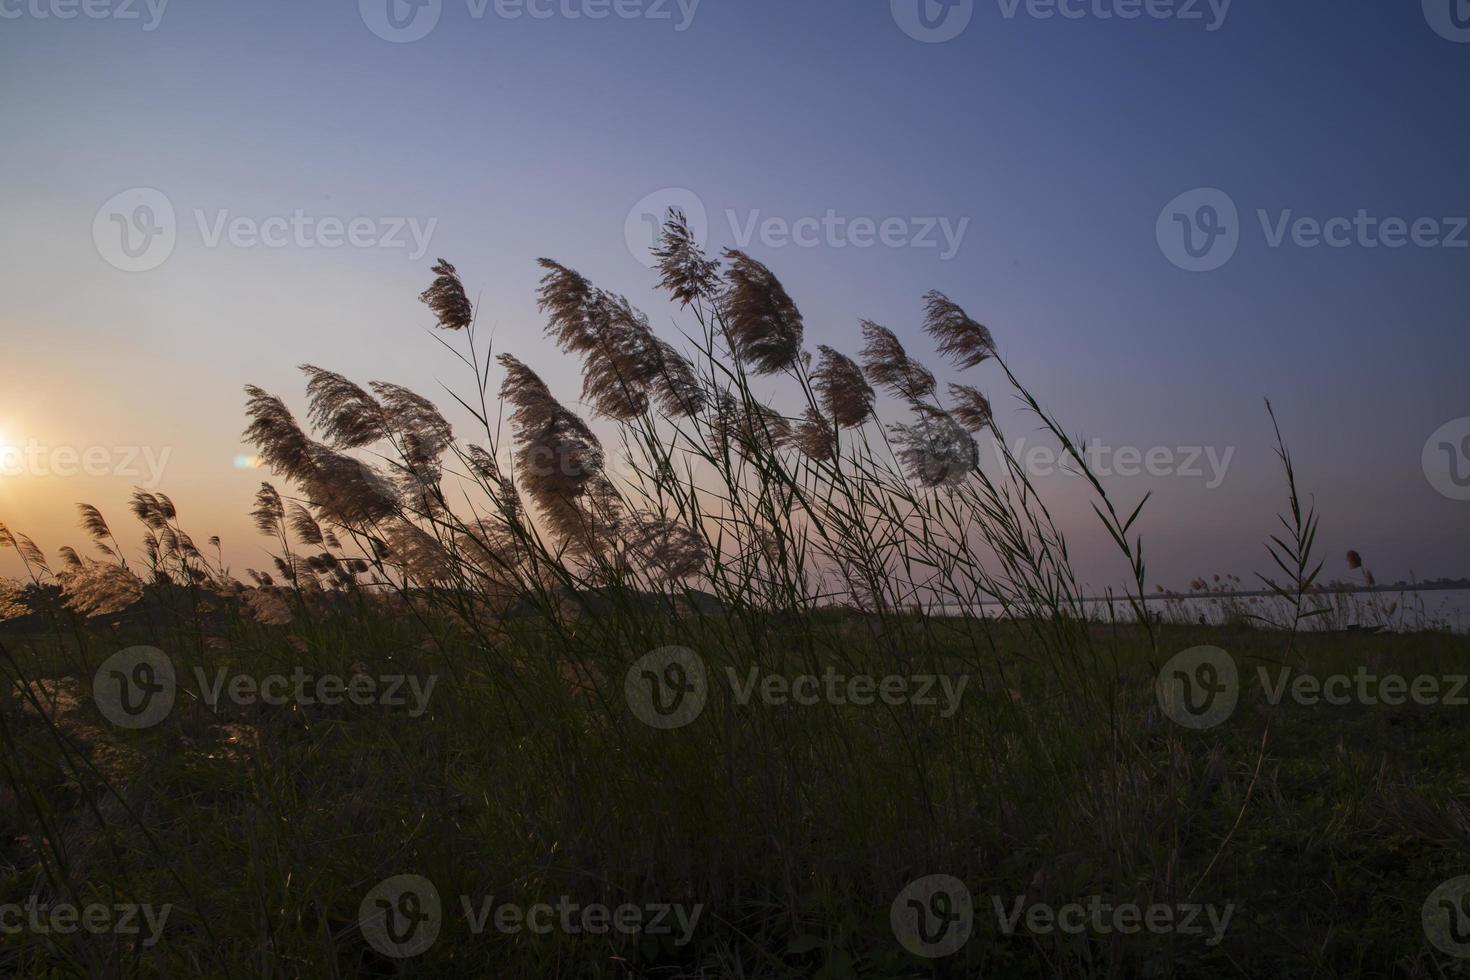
98 589
957 336
668 547
346 415
347 491
568 299
446 297
274 433
764 324
93 522
750 431
815 436
889 365
842 389
557 456
684 270
936 451
306 529
972 409
268 513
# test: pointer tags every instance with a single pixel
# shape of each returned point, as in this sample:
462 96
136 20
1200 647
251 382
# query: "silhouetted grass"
757 513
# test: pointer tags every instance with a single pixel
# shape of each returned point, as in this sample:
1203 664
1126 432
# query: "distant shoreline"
1461 586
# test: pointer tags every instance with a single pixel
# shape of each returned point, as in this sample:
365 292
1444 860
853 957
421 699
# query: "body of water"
1393 608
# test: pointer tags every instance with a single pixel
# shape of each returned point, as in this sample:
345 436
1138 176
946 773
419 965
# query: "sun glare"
12 459
9 458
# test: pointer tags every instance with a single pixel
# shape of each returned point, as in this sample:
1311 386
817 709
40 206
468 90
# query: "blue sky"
1055 143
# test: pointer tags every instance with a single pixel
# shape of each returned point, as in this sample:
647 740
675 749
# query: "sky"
1166 212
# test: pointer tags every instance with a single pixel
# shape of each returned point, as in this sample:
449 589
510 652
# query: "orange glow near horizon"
9 456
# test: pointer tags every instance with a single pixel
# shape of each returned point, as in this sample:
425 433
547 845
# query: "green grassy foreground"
784 832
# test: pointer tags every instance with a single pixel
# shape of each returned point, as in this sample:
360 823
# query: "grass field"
791 828
532 708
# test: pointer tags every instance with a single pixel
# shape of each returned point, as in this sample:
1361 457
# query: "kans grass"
524 573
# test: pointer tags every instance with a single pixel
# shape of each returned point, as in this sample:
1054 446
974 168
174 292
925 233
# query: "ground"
780 838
